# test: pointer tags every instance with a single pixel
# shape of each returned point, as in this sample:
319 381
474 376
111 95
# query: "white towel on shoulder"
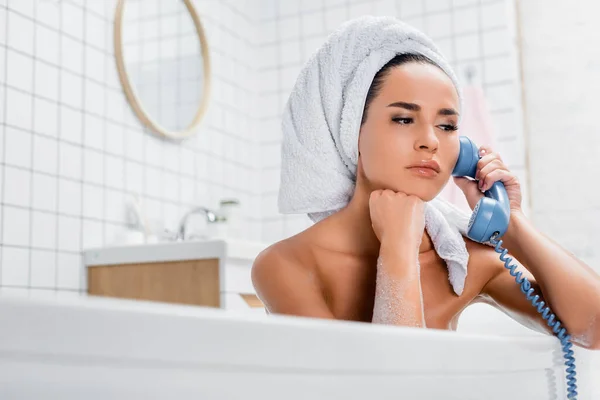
321 123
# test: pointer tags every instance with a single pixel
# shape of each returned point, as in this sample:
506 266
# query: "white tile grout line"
58 135
3 160
33 90
162 150
453 32
81 268
105 61
480 34
347 4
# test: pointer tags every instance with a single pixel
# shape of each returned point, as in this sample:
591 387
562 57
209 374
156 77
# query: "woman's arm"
398 222
398 295
567 285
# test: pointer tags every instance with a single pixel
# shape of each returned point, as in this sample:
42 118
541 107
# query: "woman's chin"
428 194
425 195
426 191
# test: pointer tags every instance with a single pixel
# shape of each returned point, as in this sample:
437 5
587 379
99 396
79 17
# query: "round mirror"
163 63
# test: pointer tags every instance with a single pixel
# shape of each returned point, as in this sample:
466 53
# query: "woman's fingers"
491 166
485 160
495 176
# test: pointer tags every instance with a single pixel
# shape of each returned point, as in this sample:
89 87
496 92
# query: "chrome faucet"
211 217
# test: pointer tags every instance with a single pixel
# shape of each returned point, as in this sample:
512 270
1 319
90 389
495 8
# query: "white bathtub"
92 348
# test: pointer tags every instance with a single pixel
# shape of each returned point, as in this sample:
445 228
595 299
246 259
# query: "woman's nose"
427 140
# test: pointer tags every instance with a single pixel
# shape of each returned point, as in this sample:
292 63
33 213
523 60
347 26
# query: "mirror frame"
130 92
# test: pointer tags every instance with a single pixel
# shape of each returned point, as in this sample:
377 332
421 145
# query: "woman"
362 264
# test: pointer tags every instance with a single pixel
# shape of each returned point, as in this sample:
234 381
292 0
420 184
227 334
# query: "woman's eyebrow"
447 111
416 107
408 106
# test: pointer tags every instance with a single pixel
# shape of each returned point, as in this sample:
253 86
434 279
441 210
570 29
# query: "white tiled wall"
561 85
71 150
475 34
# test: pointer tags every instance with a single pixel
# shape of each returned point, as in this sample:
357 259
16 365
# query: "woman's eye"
448 128
402 121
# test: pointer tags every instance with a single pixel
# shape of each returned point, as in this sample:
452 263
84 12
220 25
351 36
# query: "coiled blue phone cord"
547 315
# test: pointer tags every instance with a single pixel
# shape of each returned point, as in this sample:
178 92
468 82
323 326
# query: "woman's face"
412 120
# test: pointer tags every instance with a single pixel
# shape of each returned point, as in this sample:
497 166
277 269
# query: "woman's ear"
359 170
358 142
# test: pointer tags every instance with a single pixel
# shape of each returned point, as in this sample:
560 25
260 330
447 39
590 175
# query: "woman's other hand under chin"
397 217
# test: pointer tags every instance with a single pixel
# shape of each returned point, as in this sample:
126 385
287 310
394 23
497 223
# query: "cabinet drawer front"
234 301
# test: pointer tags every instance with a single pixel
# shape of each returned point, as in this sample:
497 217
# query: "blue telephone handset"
492 213
488 223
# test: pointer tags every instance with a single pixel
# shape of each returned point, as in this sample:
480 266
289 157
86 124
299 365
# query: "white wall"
561 84
71 150
475 34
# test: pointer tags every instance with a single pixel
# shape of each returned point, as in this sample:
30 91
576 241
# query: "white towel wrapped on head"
321 123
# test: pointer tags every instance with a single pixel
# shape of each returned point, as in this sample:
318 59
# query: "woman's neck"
353 223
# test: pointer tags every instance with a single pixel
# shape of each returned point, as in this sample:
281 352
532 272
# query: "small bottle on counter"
230 211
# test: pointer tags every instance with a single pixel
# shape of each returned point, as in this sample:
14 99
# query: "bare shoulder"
288 254
284 276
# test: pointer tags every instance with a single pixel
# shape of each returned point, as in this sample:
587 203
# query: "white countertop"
174 251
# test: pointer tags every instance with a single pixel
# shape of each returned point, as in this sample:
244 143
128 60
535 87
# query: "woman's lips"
424 172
